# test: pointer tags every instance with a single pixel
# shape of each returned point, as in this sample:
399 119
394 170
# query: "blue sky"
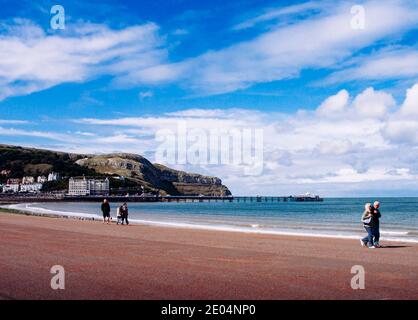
327 94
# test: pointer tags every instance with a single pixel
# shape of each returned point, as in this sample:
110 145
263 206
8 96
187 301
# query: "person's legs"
126 218
365 240
376 234
368 240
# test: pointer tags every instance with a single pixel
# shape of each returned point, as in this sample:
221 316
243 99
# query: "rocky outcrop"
155 176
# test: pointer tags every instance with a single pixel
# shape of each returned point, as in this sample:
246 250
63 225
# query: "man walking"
106 211
376 224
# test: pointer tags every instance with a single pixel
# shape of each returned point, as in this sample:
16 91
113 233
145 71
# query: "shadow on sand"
394 247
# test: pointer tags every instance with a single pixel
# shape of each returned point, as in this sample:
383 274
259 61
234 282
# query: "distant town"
34 184
91 188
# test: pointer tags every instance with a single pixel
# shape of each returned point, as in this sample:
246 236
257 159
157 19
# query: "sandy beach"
144 262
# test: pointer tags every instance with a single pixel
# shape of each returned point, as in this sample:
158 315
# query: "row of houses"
27 184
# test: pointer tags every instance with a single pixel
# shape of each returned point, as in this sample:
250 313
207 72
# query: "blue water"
331 218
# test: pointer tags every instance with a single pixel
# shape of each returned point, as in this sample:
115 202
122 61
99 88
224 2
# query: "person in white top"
119 215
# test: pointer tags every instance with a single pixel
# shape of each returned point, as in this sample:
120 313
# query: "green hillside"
35 162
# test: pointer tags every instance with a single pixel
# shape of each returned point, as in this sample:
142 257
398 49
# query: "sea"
332 218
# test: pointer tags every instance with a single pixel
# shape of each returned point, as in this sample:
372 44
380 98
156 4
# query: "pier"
278 199
140 198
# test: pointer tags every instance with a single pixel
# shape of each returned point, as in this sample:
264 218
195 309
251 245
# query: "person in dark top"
106 211
376 223
124 213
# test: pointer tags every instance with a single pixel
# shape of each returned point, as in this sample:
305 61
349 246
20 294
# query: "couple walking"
121 213
371 223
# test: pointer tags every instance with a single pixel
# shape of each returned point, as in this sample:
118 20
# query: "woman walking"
368 221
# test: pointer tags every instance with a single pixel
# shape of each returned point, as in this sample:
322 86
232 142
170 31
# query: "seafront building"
88 187
42 179
11 188
53 176
13 181
27 184
31 187
28 180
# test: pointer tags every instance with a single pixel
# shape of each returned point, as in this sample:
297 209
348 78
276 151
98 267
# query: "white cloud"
399 63
152 75
303 151
31 60
335 147
232 113
371 103
410 106
334 105
404 131
281 13
368 104
319 41
166 121
402 126
84 133
145 94
2 121
31 133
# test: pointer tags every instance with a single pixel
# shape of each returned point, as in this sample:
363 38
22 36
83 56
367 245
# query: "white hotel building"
87 187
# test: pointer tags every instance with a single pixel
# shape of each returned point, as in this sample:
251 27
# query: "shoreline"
148 262
180 225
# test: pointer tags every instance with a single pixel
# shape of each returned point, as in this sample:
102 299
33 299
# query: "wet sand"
143 262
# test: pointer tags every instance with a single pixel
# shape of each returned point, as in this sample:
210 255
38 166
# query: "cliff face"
155 176
137 170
